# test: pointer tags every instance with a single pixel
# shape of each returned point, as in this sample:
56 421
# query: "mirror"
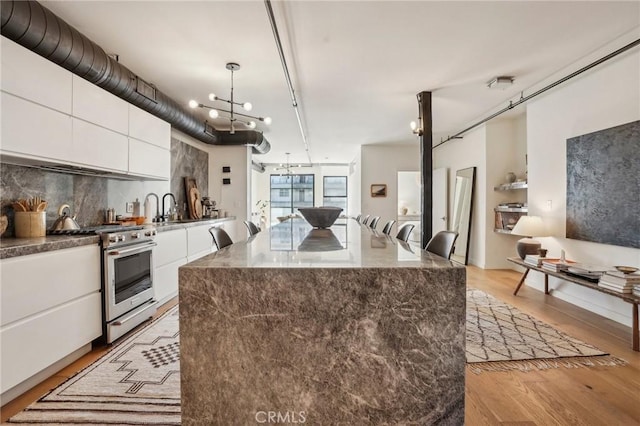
462 213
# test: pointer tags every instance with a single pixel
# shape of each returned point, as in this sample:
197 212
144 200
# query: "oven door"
128 274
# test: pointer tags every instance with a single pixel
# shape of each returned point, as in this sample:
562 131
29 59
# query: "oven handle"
131 250
150 304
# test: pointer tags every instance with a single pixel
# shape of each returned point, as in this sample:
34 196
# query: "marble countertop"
295 244
13 247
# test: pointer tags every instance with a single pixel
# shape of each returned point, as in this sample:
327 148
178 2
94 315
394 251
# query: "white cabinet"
168 256
149 128
51 307
30 76
149 160
95 105
199 242
99 147
34 131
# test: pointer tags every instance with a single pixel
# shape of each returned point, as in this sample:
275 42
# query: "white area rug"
500 338
137 382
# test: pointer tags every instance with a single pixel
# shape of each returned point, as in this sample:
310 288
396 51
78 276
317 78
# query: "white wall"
380 165
459 154
409 191
607 96
355 186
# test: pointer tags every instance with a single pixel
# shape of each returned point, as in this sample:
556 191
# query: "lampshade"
530 226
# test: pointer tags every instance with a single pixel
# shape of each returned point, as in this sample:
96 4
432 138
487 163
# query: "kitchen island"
340 326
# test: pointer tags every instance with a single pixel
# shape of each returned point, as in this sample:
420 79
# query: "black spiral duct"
35 27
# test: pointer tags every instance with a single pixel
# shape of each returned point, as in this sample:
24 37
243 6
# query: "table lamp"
529 226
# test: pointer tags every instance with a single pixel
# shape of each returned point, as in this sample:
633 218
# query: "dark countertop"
13 247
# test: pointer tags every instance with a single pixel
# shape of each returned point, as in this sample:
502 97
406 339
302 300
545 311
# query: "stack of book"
556 265
535 260
622 283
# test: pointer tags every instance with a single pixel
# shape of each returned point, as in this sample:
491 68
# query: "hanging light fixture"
416 127
287 166
215 112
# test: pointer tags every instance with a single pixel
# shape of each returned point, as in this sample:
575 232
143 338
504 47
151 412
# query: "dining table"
343 325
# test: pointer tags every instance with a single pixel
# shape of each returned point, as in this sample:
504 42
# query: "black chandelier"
215 112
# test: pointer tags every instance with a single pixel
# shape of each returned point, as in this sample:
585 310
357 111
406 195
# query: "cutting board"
196 203
189 184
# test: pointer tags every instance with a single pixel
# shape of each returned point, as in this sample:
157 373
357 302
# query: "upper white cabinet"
30 76
149 128
149 160
35 131
96 105
96 146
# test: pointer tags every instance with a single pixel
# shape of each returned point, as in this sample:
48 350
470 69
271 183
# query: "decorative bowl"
320 217
626 269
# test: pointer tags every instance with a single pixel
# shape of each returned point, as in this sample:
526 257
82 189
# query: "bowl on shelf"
626 269
320 217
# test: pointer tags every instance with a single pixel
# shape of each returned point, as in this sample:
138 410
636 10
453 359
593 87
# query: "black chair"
220 237
374 222
442 243
387 227
365 220
358 218
405 231
252 227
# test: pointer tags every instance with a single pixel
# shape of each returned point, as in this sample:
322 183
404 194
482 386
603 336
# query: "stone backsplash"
89 196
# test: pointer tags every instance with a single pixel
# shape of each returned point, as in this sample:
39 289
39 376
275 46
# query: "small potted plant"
262 206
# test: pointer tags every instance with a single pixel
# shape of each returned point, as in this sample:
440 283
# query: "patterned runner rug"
501 338
138 381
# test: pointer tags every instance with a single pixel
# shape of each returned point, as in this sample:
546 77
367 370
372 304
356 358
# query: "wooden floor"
577 396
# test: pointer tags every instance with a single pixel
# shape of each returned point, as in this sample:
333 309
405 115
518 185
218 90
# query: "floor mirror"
462 213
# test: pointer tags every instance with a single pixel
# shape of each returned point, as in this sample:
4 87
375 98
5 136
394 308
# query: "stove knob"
150 233
135 235
113 238
121 238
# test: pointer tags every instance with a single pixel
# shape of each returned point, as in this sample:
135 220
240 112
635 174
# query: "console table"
627 297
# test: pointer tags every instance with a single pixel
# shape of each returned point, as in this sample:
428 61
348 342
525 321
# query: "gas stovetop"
95 230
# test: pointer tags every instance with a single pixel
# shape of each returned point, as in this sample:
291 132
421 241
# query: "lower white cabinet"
169 254
199 242
51 307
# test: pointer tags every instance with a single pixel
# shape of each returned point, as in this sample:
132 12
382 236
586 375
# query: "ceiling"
356 66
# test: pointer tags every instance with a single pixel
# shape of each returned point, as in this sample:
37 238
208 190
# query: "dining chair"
404 231
387 227
442 243
220 237
365 220
358 218
252 227
374 222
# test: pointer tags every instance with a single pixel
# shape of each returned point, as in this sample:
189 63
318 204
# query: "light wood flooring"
564 396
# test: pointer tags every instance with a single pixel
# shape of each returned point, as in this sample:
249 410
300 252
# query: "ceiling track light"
233 115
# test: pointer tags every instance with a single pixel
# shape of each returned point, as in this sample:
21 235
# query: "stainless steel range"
127 262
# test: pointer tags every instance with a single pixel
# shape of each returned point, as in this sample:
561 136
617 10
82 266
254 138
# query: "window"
288 192
334 192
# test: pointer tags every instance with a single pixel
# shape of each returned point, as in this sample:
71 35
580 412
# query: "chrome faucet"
165 216
157 218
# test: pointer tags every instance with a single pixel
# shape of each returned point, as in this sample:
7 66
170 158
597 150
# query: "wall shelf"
502 231
511 209
511 186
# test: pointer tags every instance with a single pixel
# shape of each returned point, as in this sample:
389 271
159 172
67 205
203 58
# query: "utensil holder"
30 224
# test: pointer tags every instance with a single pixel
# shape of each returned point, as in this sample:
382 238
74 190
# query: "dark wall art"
603 186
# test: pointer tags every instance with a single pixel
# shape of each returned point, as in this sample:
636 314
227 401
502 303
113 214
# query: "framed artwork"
379 190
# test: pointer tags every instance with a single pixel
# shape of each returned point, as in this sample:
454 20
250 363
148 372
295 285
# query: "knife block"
30 224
